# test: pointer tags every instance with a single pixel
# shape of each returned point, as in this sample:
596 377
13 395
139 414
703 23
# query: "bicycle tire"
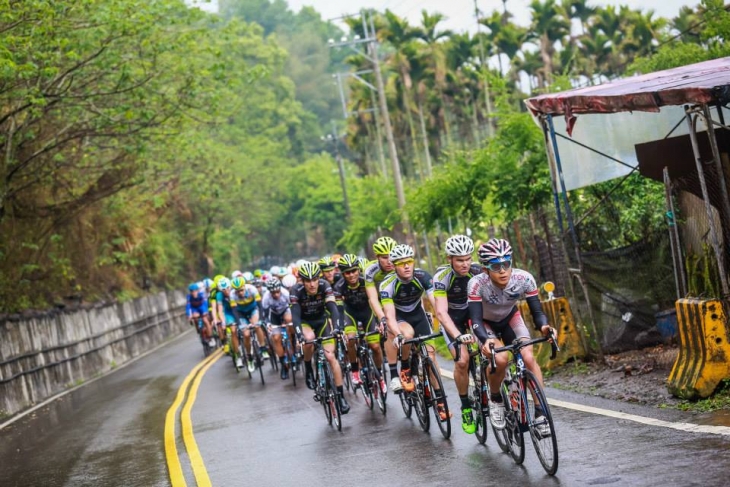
513 427
374 376
333 402
418 396
478 403
270 349
443 424
545 447
366 383
406 404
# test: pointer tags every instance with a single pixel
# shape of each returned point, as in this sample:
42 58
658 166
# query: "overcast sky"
460 13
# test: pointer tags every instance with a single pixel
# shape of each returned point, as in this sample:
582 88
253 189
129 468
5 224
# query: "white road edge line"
86 383
690 427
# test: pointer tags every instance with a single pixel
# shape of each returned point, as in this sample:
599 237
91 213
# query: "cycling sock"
393 370
354 366
495 397
404 365
308 366
465 402
282 360
538 411
340 391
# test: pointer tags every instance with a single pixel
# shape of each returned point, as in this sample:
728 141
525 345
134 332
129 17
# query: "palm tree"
685 25
548 26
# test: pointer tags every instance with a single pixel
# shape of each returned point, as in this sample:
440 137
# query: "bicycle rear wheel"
545 441
438 394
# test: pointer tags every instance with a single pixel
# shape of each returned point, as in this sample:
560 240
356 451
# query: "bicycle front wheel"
442 413
542 429
478 395
418 396
333 402
513 411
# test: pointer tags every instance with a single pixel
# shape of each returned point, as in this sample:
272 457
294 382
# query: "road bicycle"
429 389
370 375
523 397
325 391
254 353
292 355
207 349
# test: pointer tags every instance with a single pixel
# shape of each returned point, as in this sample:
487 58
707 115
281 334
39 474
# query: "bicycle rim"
546 447
444 424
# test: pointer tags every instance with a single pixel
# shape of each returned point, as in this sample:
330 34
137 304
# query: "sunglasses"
351 271
499 266
403 263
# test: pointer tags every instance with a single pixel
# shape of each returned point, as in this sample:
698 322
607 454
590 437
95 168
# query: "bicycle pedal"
316 398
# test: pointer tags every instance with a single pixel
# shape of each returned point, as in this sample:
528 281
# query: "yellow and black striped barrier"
560 316
704 351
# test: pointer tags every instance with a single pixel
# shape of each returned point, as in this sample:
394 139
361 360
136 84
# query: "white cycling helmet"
495 250
248 276
224 284
459 245
400 252
288 281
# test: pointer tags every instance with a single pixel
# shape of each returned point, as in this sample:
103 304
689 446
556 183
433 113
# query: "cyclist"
374 275
275 305
328 267
310 303
197 307
402 294
227 316
493 310
246 302
352 301
450 284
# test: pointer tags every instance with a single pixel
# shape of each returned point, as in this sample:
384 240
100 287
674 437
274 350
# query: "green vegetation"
144 144
719 400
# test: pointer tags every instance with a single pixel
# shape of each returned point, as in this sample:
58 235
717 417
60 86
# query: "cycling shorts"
278 319
510 328
461 320
247 316
417 319
200 310
369 324
321 327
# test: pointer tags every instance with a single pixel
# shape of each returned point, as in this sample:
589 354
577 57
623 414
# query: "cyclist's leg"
254 320
460 353
244 326
308 349
329 353
371 325
405 354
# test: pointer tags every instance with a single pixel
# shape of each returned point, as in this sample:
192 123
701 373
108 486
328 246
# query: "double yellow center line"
177 478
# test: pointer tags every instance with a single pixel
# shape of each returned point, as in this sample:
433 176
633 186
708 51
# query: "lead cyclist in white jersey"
493 310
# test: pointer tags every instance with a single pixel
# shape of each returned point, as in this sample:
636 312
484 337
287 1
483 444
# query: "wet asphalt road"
111 433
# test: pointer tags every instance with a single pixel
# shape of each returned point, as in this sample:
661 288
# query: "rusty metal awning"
707 82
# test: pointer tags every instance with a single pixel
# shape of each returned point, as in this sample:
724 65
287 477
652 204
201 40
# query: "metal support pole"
708 207
569 216
679 280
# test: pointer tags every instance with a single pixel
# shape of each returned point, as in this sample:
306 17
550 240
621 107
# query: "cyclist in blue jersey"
246 302
197 307
227 316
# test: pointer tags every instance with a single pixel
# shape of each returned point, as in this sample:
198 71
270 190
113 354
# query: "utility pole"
341 166
371 43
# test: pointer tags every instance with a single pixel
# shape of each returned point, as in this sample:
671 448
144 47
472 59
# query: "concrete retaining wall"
45 354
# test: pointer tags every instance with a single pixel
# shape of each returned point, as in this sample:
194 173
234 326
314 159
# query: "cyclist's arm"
477 321
296 314
442 313
334 313
538 316
374 301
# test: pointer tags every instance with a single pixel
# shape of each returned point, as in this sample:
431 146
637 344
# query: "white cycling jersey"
498 303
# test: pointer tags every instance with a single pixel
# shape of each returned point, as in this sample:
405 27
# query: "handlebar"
423 338
517 346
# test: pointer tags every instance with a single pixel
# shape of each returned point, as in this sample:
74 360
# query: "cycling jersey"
311 309
374 275
196 304
354 306
406 296
276 306
229 317
497 307
448 284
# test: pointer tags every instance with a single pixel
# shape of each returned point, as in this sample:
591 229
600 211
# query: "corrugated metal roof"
705 82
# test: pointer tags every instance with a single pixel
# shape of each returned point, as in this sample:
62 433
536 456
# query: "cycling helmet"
495 250
363 263
384 245
289 281
273 284
236 274
348 262
208 283
224 283
238 283
459 245
258 273
326 263
400 252
248 276
194 287
310 271
217 279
